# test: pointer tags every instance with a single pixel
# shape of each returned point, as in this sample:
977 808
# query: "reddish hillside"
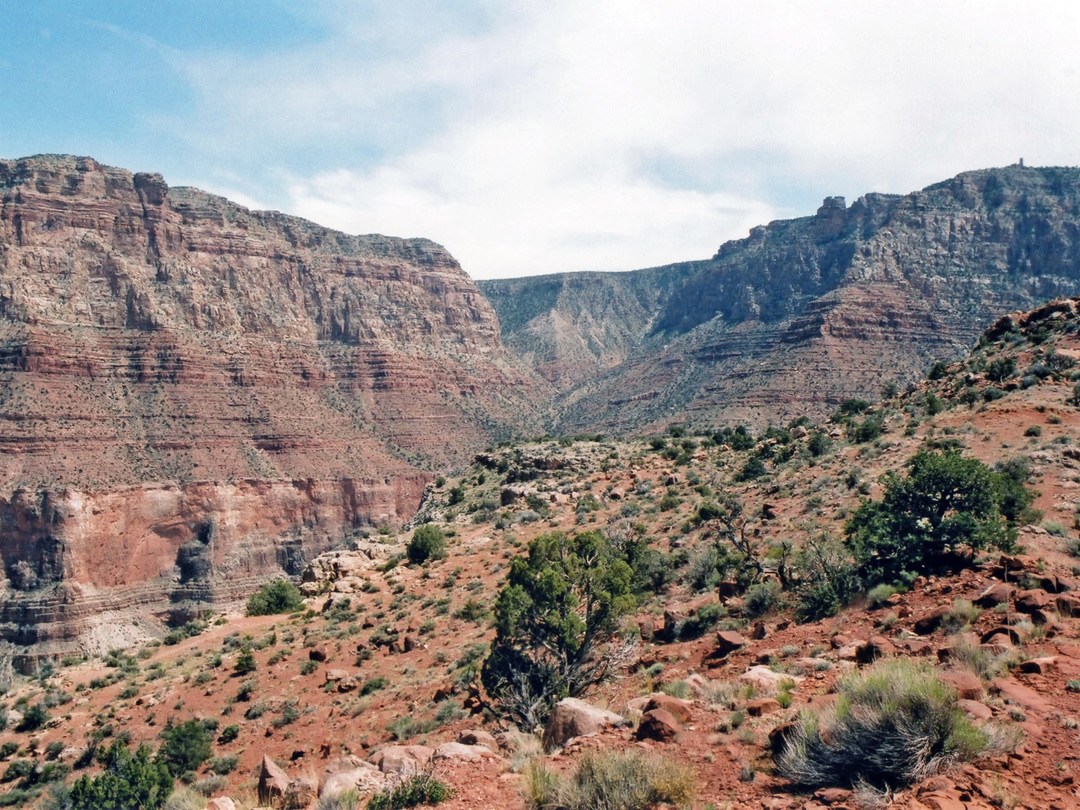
386 654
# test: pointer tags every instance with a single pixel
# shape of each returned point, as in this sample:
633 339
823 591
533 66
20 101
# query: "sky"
537 137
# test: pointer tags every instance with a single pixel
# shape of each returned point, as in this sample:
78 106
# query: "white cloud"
613 135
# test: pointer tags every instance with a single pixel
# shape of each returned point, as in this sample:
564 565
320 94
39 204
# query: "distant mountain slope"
804 312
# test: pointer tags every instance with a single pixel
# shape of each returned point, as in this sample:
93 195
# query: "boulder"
401 759
932 621
759 706
1068 604
572 717
766 680
679 709
1015 692
974 709
874 648
1035 599
995 594
301 792
967 684
348 762
673 624
461 752
1039 666
698 684
273 781
478 737
833 795
659 725
727 641
320 653
363 779
1010 634
221 803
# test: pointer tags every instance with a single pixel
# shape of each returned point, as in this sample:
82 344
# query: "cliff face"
803 313
194 396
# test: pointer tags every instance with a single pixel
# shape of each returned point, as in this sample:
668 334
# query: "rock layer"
194 396
803 313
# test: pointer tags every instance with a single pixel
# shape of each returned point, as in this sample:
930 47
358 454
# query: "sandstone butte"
195 397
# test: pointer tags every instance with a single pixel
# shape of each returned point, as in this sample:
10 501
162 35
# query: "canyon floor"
380 663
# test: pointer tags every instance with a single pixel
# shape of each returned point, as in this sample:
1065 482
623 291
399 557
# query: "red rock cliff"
194 396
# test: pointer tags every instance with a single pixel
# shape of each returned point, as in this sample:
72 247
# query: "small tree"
129 782
554 616
184 747
245 662
738 552
427 543
279 596
945 501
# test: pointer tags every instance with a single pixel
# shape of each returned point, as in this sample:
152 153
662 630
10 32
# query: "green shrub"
1001 369
471 611
557 610
346 800
224 765
826 577
866 430
703 620
187 798
938 371
427 543
878 596
245 662
818 444
892 725
963 615
373 685
34 718
228 734
279 596
753 469
128 782
852 407
944 501
184 747
613 780
421 788
761 599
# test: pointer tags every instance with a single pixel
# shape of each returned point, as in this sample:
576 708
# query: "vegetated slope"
387 654
193 391
803 313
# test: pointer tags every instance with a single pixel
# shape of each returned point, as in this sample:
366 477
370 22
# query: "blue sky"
544 137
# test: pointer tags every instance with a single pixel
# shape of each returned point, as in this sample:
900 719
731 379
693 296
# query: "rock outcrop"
195 397
803 313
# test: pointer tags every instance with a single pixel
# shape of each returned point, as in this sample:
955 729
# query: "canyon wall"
803 313
195 397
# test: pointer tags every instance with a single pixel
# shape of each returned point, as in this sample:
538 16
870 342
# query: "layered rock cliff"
194 396
803 313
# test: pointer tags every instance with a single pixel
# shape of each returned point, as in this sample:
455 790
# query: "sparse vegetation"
892 725
279 596
427 543
558 607
420 788
612 780
944 502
